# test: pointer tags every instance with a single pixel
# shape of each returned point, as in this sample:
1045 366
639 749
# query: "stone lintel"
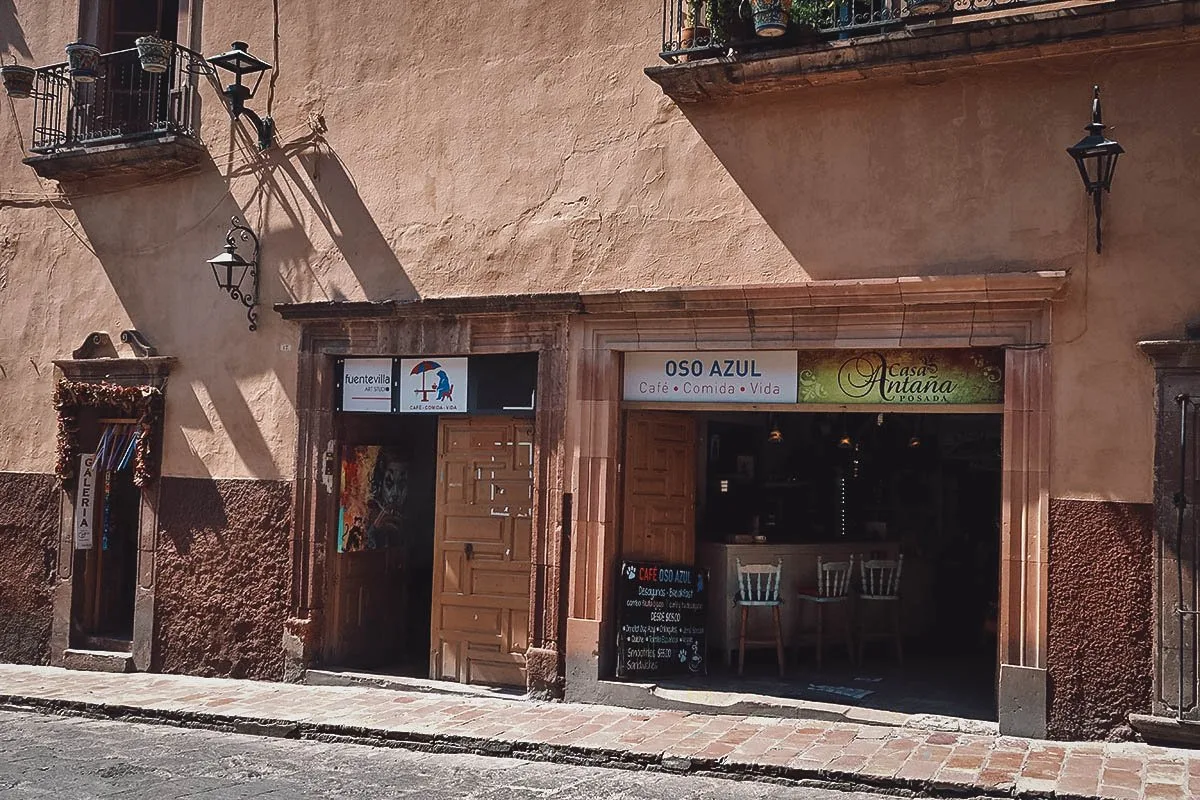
1173 354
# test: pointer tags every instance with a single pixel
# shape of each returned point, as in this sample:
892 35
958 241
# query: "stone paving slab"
762 748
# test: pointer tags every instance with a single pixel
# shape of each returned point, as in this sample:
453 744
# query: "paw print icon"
631 572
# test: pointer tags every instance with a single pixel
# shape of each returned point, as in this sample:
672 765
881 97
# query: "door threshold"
334 676
98 660
112 644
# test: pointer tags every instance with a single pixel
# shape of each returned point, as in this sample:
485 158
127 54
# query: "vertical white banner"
85 502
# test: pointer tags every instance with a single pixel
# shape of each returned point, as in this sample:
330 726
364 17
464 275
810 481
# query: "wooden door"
483 531
659 522
366 597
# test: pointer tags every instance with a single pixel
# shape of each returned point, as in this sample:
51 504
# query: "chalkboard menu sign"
662 610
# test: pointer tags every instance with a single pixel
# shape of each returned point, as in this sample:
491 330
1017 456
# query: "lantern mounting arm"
239 62
236 95
1097 205
1096 128
249 297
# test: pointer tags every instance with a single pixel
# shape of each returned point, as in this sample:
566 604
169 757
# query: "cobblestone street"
645 742
74 758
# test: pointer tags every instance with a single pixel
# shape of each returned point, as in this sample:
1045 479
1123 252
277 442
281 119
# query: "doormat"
841 691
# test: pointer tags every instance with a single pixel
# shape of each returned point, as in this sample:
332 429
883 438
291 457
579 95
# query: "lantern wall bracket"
239 62
230 260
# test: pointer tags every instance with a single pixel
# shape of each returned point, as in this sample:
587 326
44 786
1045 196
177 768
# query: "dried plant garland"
142 403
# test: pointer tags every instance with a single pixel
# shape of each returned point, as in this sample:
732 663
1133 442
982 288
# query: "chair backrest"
759 583
833 577
881 578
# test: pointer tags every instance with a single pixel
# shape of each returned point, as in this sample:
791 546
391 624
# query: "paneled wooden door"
659 521
365 594
483 530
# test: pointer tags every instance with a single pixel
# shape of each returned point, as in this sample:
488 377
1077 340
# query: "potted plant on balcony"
770 17
18 80
807 17
694 32
923 8
154 53
83 60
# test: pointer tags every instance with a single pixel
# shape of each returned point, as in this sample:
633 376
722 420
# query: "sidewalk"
796 751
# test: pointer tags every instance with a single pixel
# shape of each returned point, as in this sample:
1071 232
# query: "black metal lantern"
240 62
1096 156
230 269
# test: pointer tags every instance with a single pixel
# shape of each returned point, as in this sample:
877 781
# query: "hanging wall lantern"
230 270
1096 157
239 61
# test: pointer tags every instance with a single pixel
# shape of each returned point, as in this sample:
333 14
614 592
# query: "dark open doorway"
381 544
792 494
106 538
871 486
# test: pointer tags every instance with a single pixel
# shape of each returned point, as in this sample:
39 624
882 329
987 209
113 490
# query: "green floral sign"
902 377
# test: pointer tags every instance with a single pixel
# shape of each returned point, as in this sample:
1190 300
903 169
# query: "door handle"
469 549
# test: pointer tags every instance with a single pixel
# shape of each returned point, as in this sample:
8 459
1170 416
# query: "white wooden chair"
881 588
833 588
758 587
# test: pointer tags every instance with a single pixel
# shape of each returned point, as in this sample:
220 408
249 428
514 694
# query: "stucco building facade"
536 208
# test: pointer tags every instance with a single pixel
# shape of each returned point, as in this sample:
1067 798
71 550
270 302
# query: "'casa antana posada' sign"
818 377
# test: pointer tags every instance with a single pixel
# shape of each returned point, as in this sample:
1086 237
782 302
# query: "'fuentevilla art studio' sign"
819 377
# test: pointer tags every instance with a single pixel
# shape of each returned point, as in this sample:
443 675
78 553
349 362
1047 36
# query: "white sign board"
85 502
367 385
725 376
433 385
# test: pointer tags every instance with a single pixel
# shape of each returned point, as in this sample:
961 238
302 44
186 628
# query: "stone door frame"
459 326
1010 310
141 370
1176 371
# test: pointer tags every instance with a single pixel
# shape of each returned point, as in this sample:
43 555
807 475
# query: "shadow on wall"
154 260
223 568
324 184
12 36
879 179
155 263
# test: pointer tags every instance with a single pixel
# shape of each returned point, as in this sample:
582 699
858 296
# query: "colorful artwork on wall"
374 489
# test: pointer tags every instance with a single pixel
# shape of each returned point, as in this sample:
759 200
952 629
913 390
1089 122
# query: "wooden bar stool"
833 588
758 587
881 588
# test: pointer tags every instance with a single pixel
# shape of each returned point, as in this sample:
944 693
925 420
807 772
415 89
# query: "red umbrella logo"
421 369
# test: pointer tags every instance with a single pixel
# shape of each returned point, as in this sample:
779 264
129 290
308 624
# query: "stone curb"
730 769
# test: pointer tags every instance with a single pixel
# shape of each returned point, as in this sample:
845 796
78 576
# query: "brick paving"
890 759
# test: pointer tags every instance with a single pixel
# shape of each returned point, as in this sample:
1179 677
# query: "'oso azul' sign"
726 376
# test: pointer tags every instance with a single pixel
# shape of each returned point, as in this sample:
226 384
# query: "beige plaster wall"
455 151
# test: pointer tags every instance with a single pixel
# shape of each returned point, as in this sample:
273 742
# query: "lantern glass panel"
229 269
1108 167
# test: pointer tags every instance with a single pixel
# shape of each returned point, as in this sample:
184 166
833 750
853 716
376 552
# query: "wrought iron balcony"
696 29
127 116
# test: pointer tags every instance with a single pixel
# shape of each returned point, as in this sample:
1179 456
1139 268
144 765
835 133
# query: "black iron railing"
124 102
693 29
